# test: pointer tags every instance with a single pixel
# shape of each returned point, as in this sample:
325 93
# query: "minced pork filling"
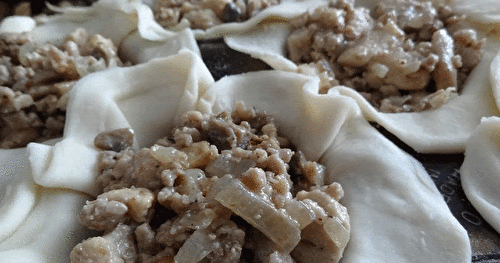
221 188
35 80
402 56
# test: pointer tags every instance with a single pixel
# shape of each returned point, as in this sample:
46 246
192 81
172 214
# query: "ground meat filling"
35 80
402 56
223 188
203 14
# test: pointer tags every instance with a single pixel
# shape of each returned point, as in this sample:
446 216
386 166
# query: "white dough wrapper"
113 99
114 19
442 130
397 213
49 232
17 190
123 21
479 173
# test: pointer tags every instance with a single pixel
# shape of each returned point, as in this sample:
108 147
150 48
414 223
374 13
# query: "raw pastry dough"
479 173
443 130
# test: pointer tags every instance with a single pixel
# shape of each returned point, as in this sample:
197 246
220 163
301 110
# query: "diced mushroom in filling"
405 55
205 14
35 80
223 188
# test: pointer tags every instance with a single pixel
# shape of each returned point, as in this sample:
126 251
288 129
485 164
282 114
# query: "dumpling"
440 130
352 151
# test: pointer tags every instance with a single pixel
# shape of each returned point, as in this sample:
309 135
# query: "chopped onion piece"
337 232
300 212
196 247
168 155
276 225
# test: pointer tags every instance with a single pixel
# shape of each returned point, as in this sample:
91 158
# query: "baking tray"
443 169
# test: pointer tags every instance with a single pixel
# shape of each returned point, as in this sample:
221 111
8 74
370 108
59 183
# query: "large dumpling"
403 194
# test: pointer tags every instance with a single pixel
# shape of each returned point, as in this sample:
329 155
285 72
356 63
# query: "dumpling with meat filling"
419 69
43 57
377 190
39 216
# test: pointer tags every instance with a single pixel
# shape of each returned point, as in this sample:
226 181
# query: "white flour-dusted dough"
479 172
443 130
397 213
115 99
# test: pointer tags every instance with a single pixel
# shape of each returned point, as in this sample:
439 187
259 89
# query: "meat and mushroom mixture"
35 80
404 55
203 14
221 188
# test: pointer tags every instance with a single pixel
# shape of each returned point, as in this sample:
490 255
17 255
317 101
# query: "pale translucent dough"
118 98
49 232
397 213
17 190
444 130
480 175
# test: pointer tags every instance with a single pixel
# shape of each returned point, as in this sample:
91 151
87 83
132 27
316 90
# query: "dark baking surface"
443 169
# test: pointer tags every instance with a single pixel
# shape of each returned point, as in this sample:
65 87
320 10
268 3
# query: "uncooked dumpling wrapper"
50 230
397 213
479 172
328 128
17 190
38 224
442 130
114 99
128 23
